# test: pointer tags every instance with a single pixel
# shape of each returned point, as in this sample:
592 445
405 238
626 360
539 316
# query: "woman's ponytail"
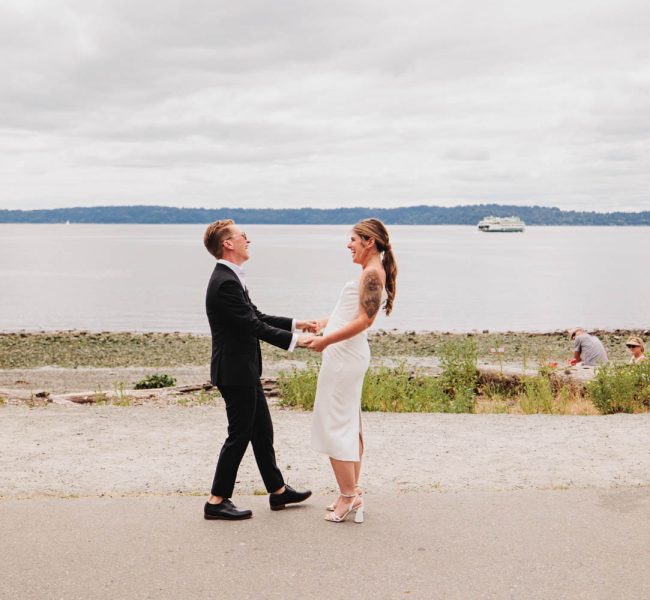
390 266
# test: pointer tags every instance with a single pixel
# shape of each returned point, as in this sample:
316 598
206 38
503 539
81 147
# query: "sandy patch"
96 450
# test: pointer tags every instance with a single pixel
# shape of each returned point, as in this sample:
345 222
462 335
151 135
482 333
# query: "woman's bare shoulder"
371 275
371 287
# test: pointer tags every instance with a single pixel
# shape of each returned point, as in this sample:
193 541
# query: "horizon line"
314 208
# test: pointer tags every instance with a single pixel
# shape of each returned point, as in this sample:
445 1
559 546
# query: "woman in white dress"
336 428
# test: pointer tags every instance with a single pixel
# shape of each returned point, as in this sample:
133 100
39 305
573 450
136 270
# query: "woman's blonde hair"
376 230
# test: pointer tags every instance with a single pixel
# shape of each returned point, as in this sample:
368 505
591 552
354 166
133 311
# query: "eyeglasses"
234 236
632 345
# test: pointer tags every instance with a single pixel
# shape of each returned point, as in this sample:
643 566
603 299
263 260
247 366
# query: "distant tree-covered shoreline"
410 215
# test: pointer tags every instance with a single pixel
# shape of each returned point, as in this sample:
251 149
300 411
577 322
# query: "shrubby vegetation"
460 389
459 377
384 389
398 389
621 388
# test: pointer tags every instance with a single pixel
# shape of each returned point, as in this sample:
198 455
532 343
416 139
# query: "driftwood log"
270 385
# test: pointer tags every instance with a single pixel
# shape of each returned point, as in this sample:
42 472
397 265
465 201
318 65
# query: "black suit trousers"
249 420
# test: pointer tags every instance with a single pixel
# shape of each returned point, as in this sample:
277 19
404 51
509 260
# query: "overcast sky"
287 104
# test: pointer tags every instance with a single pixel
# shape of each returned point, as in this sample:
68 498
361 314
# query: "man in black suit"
237 326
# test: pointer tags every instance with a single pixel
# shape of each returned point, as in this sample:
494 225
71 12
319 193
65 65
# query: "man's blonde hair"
216 234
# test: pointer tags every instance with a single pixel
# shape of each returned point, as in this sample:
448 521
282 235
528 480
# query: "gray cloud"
325 103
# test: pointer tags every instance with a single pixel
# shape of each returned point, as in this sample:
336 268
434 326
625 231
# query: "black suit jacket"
237 326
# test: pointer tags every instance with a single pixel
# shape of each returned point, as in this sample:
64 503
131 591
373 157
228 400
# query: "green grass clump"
537 396
399 390
621 388
297 387
206 397
100 397
203 398
158 380
122 401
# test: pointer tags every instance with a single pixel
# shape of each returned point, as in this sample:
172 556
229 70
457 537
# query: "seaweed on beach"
72 349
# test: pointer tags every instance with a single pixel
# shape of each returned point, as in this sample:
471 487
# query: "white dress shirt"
237 270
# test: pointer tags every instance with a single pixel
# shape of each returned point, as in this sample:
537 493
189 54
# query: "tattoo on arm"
371 293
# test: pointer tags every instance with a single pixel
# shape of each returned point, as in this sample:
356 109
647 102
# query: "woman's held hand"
318 344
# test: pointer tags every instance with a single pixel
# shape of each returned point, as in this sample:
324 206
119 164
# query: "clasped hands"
313 342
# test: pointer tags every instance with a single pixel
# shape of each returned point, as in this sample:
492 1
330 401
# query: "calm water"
153 277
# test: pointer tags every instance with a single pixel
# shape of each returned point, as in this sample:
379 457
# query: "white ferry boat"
502 224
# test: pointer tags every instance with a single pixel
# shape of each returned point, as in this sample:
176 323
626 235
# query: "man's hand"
318 344
310 326
304 341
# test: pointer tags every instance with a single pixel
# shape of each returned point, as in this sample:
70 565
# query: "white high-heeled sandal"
332 507
332 517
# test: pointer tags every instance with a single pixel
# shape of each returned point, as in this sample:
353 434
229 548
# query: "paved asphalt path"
528 544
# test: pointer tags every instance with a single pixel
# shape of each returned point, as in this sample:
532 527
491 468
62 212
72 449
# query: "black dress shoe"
289 496
225 510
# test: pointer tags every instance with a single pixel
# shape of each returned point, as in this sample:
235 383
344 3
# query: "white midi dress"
336 425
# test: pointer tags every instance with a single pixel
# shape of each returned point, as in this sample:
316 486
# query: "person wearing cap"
587 348
635 346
